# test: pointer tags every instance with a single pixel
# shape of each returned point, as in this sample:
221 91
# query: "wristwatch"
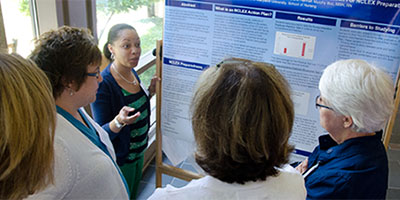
118 124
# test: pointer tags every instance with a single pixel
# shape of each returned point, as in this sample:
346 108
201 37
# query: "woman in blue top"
122 106
85 166
350 162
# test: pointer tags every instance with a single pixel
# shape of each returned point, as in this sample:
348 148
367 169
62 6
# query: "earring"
71 92
112 56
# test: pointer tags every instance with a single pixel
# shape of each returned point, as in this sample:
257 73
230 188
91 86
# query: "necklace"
123 78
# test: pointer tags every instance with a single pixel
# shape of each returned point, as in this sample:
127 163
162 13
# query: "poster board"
300 37
162 168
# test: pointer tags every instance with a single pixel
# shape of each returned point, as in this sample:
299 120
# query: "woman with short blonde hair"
27 113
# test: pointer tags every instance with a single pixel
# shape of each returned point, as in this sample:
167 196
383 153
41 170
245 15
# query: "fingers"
302 167
124 115
133 118
152 87
126 110
155 78
154 81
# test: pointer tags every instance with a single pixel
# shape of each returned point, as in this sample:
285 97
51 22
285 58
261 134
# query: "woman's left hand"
153 83
302 167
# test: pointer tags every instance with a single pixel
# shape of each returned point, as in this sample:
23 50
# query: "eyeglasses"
317 105
95 74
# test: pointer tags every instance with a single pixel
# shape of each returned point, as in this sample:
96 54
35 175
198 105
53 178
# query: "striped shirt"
140 128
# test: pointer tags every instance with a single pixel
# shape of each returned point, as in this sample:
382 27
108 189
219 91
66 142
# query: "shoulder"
292 181
190 191
75 172
107 76
288 172
64 171
169 192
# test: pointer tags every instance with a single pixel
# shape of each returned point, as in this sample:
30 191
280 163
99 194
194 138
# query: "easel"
389 126
162 168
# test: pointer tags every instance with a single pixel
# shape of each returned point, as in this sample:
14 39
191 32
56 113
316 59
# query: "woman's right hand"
123 119
123 116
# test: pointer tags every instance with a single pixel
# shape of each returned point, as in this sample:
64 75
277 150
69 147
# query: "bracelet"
117 123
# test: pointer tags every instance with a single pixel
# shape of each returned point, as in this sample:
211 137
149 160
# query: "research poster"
300 37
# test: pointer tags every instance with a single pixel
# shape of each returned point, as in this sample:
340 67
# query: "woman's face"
87 92
126 48
330 120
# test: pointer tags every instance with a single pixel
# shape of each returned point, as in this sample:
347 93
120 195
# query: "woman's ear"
347 121
69 86
110 48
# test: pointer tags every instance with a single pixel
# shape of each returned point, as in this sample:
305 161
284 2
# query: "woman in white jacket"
85 166
242 118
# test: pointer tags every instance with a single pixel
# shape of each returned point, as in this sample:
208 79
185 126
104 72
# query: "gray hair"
360 90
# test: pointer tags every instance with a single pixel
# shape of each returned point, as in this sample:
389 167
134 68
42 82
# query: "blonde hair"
27 124
242 118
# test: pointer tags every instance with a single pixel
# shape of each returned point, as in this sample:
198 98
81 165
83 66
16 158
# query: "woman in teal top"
85 165
122 106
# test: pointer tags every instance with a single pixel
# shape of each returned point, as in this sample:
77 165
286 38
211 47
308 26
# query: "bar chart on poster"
294 45
299 37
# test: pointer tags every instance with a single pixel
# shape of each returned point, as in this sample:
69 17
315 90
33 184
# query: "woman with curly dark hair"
242 118
85 166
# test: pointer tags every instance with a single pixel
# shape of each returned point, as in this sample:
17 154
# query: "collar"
330 149
326 141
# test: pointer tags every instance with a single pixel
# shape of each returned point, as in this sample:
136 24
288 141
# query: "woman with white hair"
350 162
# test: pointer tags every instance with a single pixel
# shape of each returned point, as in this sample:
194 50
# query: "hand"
153 83
302 167
124 118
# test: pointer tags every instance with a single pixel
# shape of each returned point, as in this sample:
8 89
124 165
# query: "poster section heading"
370 27
354 9
185 64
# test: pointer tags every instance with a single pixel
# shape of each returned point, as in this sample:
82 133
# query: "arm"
64 174
105 110
102 108
330 184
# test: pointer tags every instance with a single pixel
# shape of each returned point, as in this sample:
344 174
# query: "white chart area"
300 102
294 45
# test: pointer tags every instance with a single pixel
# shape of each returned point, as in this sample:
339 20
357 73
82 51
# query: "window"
18 26
147 18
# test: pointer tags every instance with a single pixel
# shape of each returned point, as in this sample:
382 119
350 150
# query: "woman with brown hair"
85 166
27 125
242 118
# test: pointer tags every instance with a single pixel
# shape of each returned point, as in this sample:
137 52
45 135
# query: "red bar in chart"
303 49
284 50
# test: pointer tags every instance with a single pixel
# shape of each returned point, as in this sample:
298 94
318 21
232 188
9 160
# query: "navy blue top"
110 99
355 169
